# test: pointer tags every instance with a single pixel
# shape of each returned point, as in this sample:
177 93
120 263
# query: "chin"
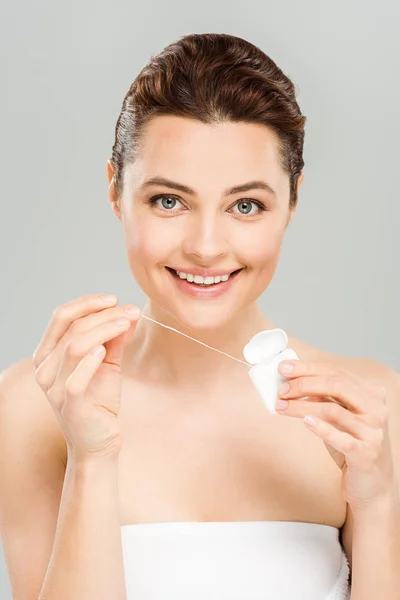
201 317
203 322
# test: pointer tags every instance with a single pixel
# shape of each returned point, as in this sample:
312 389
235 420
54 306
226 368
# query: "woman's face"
205 226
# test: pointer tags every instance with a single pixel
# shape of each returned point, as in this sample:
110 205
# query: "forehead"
228 153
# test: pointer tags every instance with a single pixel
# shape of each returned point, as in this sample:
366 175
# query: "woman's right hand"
84 389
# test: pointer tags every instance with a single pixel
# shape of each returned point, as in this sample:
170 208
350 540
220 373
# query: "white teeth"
202 280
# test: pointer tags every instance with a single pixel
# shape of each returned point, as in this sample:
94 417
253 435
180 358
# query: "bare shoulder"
22 401
367 367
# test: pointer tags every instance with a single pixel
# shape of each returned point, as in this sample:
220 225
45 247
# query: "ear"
292 210
300 181
112 195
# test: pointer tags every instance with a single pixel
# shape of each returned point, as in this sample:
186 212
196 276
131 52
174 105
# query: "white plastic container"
266 350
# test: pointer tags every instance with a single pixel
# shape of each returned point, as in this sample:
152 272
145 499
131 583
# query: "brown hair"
212 77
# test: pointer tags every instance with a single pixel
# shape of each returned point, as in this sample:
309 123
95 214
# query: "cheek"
147 244
262 247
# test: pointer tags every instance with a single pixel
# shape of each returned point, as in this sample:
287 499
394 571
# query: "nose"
206 239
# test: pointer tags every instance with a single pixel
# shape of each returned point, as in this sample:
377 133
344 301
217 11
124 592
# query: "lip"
209 291
204 272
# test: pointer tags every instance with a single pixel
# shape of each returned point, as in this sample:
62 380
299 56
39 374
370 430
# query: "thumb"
115 347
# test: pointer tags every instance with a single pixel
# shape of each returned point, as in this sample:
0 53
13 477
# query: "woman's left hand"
351 417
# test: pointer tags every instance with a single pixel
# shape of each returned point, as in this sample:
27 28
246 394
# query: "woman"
154 470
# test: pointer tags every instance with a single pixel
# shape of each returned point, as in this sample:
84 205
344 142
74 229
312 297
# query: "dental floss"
198 341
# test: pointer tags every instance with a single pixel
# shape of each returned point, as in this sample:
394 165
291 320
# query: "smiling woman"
204 177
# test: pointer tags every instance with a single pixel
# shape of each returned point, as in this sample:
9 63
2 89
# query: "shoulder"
17 384
17 373
369 368
377 373
24 406
372 371
364 367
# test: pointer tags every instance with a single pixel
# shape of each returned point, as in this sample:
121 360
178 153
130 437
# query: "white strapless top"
234 560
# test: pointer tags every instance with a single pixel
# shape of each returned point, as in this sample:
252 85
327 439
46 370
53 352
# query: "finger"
346 391
302 368
48 369
341 441
115 346
330 412
299 368
77 383
62 318
77 348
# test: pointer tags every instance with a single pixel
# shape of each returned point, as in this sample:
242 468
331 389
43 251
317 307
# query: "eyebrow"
244 187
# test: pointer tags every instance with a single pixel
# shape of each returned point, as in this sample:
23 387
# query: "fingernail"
123 322
98 351
281 404
109 298
286 368
284 388
132 310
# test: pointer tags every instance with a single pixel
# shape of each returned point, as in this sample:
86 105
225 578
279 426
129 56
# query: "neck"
158 355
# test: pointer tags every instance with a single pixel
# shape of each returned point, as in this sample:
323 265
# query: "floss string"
198 341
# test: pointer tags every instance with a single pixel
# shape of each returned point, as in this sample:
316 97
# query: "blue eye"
168 202
247 204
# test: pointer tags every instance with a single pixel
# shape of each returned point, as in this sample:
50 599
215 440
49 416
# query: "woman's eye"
167 202
247 205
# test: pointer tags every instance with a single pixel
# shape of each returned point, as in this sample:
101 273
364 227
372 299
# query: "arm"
60 529
86 562
376 553
372 538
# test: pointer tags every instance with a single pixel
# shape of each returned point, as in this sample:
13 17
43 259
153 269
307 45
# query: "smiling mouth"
203 285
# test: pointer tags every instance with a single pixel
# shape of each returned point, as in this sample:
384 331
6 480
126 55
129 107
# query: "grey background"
65 68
